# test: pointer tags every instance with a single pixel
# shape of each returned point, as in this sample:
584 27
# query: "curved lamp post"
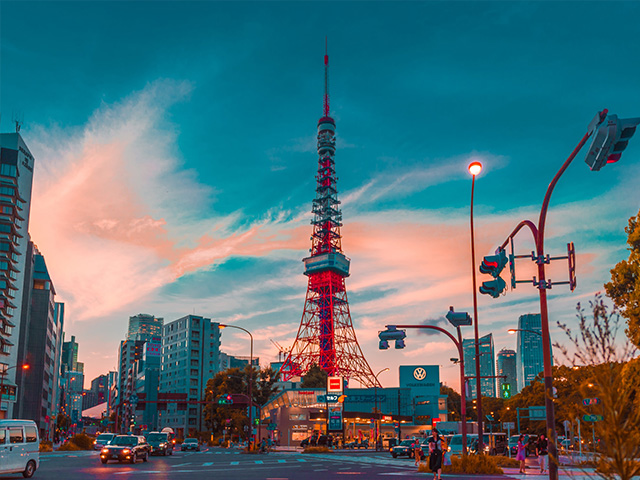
250 433
474 169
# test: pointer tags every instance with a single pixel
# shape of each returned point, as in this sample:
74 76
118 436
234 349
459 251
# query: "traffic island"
317 450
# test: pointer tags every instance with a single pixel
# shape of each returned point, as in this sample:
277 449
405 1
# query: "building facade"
37 385
16 176
144 327
529 359
506 366
487 365
190 357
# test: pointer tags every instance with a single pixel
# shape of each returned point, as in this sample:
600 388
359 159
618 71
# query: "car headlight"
126 451
105 450
162 445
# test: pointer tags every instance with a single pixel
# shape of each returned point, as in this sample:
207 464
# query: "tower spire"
326 77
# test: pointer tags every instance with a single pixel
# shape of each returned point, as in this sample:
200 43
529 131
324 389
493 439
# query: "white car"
19 447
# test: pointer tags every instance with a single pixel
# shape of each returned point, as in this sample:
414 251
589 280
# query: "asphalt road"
223 464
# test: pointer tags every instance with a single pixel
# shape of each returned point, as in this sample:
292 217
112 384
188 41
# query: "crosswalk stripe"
301 460
208 464
260 462
235 463
282 461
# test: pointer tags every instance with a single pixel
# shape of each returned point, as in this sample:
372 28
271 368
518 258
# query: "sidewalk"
564 472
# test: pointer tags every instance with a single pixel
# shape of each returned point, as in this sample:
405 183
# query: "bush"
316 450
507 462
475 464
84 442
69 447
46 446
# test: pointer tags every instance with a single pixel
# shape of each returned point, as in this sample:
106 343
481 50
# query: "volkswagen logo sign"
419 373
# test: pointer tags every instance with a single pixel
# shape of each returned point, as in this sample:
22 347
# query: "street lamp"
250 436
514 330
474 169
24 366
375 387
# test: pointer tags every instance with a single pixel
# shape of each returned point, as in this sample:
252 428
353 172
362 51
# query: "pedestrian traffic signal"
391 333
493 265
506 390
493 287
610 138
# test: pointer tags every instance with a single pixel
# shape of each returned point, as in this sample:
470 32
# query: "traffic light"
610 138
391 333
458 319
225 399
506 390
493 265
493 287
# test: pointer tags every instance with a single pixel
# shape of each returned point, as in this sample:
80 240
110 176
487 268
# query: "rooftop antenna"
326 77
18 119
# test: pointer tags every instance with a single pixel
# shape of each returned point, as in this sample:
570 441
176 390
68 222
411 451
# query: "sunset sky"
175 158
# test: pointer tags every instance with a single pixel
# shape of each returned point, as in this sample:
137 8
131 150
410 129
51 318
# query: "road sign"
592 418
321 398
537 413
133 399
591 401
508 425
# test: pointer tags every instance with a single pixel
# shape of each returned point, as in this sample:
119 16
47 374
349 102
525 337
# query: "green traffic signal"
506 390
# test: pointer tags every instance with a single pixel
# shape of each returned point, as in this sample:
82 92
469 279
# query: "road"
223 464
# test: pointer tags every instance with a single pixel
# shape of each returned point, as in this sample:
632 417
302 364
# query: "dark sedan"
190 444
405 448
126 448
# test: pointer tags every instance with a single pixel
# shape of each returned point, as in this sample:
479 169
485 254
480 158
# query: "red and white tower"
326 336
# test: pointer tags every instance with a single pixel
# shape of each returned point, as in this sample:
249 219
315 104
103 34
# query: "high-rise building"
529 358
70 355
129 352
506 364
16 176
487 365
190 357
230 361
144 327
37 386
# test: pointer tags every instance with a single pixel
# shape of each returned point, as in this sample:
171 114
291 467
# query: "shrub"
84 442
316 450
46 446
475 464
69 447
507 462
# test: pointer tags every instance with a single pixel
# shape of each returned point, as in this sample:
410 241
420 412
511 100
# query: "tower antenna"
326 77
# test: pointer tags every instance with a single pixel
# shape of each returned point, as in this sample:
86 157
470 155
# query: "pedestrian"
417 453
541 451
435 454
521 455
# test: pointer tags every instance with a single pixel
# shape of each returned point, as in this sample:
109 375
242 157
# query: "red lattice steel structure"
326 336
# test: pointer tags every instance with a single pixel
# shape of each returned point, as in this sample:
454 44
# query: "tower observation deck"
326 336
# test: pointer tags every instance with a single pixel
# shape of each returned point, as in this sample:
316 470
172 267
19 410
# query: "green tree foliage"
624 288
453 402
264 388
595 346
315 378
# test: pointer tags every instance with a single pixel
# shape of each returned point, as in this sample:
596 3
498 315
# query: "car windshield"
191 440
513 440
406 443
157 437
125 441
105 437
456 440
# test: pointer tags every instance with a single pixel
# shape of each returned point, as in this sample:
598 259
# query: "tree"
453 402
315 378
624 288
618 429
264 389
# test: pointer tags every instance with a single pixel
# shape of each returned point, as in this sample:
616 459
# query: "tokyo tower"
326 336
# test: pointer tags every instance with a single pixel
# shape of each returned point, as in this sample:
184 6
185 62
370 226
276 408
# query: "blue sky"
175 156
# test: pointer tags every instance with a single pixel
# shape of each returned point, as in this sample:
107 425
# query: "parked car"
103 440
405 448
19 447
355 444
309 441
529 441
126 448
455 444
160 443
325 441
190 444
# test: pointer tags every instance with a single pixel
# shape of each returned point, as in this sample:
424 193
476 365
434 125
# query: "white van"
19 447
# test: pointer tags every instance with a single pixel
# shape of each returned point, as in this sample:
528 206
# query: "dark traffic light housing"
493 265
458 319
391 333
610 137
225 399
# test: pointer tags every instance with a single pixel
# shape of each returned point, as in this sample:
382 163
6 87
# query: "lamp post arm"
433 327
